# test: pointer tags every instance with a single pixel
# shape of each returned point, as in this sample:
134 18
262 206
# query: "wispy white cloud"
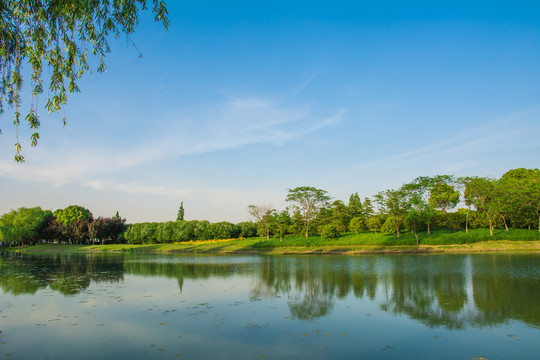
137 188
231 124
308 81
479 139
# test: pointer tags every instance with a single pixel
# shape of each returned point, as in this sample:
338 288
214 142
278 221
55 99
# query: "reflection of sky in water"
251 307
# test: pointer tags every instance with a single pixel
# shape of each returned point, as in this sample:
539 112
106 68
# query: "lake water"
112 306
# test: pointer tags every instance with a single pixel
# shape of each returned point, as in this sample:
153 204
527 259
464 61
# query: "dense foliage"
59 37
72 225
416 208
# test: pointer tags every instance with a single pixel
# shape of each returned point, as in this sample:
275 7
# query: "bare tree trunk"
504 220
467 222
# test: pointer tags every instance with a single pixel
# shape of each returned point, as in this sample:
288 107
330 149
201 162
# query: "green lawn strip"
477 240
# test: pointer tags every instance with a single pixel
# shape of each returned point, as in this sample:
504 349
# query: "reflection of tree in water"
66 273
453 291
312 283
507 287
430 289
181 271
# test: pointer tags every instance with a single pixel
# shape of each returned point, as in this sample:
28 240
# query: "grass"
438 237
477 240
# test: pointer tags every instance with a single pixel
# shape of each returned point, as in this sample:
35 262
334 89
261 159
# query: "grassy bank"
441 241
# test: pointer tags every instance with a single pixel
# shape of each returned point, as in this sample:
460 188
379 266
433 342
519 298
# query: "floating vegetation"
479 358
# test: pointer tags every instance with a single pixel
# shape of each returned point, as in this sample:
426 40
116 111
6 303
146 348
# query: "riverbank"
236 247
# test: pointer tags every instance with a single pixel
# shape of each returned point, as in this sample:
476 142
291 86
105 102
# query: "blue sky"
241 100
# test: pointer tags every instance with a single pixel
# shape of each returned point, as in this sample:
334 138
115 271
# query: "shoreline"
219 248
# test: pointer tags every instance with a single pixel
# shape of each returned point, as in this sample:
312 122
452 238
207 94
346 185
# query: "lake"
140 306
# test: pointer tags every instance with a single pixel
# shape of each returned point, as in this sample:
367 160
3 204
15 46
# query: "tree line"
422 205
72 225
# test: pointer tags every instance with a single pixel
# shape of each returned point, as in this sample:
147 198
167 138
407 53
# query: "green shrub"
330 231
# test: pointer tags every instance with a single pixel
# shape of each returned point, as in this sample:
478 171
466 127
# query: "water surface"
66 306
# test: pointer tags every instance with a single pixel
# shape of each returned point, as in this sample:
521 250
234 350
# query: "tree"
461 184
307 200
106 229
355 206
340 215
367 208
247 229
525 184
280 222
443 196
357 224
73 213
423 186
374 223
393 203
416 214
262 214
180 215
23 226
480 192
58 35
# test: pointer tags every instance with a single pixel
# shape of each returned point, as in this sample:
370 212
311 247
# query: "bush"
389 228
330 231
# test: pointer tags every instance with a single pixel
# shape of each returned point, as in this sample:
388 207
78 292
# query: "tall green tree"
354 206
58 36
340 215
307 201
367 208
180 215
